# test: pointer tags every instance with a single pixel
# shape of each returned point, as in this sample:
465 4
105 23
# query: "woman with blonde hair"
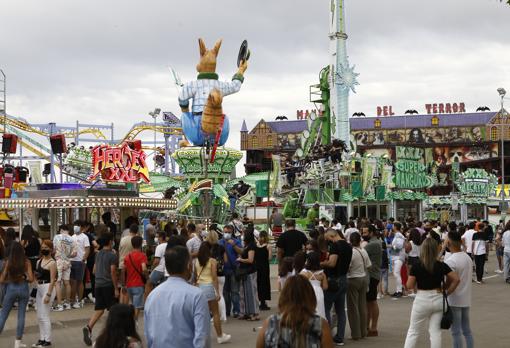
296 325
206 275
219 254
427 276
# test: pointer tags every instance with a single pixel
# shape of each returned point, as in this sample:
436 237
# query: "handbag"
241 273
142 276
447 319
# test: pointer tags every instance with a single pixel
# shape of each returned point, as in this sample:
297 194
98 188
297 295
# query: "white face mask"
77 229
156 240
203 234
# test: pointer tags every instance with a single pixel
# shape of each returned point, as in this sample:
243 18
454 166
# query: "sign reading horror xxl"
119 163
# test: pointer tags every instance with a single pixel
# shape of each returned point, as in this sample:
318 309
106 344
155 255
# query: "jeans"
397 266
506 265
338 299
384 280
357 306
231 294
479 263
461 325
15 292
427 306
43 311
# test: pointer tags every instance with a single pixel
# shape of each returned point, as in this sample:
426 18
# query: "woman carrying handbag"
427 277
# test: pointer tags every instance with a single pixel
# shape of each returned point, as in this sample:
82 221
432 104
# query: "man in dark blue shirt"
233 248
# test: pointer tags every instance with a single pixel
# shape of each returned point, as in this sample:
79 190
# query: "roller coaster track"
21 128
26 127
145 126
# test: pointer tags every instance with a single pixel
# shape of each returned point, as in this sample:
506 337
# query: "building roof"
293 126
421 121
243 127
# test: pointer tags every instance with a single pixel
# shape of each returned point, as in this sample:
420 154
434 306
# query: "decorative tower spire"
343 78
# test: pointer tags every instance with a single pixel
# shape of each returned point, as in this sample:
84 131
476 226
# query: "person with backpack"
135 274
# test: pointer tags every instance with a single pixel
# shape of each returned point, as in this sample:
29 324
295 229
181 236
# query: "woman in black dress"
263 254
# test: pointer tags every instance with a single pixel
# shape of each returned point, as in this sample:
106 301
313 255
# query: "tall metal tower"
342 75
3 97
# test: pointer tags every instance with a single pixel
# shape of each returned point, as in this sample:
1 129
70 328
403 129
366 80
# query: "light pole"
154 115
502 112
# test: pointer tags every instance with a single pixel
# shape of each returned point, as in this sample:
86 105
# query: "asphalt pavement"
489 315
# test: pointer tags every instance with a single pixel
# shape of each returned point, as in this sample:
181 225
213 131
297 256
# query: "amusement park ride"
195 143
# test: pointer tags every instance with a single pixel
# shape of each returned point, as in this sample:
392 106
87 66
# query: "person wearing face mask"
177 302
78 263
374 251
46 276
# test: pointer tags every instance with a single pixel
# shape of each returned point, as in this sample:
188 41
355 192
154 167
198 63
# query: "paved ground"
489 322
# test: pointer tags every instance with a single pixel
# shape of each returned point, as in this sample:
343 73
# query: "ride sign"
119 163
410 172
476 182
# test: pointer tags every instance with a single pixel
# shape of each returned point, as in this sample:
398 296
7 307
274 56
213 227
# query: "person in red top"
135 268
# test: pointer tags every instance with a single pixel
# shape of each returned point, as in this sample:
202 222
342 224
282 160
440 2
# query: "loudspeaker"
21 174
58 143
47 169
9 143
135 144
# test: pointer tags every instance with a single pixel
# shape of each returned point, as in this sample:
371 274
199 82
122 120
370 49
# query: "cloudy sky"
107 61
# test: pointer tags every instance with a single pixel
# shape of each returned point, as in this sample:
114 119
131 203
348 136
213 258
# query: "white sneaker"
91 298
224 338
412 294
498 271
379 296
67 306
19 344
77 305
58 308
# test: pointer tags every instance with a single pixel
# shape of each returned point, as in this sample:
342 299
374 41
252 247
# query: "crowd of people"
328 277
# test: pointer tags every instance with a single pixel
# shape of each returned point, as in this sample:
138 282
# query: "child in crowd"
285 271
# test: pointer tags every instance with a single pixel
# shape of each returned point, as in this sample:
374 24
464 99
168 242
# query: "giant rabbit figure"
203 122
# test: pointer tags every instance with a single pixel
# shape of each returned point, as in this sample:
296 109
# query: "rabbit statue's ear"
216 48
203 49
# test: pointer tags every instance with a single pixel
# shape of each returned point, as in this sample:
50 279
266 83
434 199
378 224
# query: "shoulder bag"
447 319
142 276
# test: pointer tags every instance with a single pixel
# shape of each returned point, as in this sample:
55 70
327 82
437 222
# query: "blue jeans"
506 265
337 299
136 296
461 323
15 292
231 294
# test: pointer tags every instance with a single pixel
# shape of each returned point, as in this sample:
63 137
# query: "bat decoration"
359 114
483 108
281 118
411 112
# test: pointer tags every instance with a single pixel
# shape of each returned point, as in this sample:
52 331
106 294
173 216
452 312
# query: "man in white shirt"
398 257
193 244
78 262
467 239
506 254
460 299
158 273
352 229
